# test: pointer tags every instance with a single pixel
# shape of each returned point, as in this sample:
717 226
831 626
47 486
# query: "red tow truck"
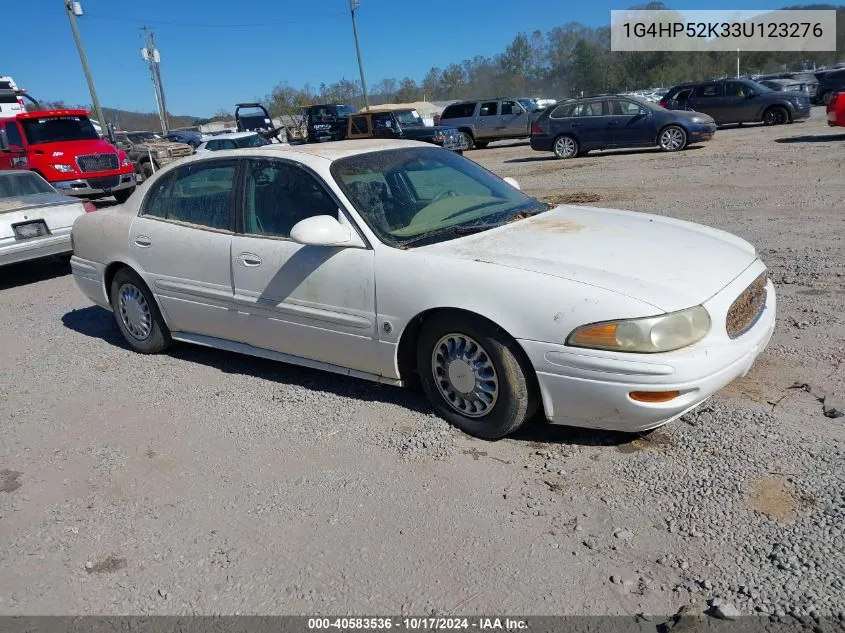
65 149
836 109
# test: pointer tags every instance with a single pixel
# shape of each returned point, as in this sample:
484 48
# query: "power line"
217 26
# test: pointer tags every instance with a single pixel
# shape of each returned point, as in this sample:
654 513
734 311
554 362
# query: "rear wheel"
826 96
565 147
776 115
469 142
672 139
123 195
137 314
472 374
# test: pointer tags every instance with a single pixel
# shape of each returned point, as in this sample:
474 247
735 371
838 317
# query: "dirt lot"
205 482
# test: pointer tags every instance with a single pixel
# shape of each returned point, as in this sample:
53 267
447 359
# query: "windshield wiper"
455 231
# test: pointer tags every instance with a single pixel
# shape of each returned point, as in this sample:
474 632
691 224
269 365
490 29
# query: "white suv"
11 103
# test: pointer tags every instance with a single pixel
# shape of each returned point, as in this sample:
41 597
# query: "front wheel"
776 115
672 139
147 170
123 195
565 147
137 314
472 374
468 141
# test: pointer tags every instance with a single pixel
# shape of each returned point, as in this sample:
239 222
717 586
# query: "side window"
593 108
511 107
562 112
383 121
458 111
156 203
491 108
278 195
625 108
360 125
212 146
736 89
200 194
709 91
14 134
228 143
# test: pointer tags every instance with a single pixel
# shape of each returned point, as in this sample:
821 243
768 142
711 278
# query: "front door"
740 104
312 302
630 124
514 119
15 156
182 241
489 121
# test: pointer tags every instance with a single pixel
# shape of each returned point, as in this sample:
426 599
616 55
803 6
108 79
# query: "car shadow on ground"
97 322
812 138
597 154
105 203
32 272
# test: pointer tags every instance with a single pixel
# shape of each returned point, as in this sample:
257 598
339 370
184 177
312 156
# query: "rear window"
458 111
14 184
8 97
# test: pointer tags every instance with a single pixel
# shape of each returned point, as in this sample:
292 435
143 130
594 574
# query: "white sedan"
396 261
231 140
35 219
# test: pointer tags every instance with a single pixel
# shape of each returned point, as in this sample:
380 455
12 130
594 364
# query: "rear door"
182 240
630 124
710 99
591 125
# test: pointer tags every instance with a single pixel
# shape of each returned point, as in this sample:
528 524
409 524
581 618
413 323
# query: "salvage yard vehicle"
326 122
835 110
738 101
231 140
613 121
402 124
150 152
35 219
396 261
65 149
830 82
482 122
260 122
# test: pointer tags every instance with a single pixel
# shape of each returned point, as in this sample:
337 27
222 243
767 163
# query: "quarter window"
458 111
278 195
198 193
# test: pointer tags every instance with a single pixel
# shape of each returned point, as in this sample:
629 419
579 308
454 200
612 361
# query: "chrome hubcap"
465 375
672 139
565 147
134 312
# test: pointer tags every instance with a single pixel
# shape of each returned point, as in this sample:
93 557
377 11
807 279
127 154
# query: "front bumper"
590 388
90 278
702 133
57 243
801 112
99 186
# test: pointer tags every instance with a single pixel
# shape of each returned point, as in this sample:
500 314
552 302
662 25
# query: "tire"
672 138
147 170
123 195
776 115
469 142
565 146
481 144
449 338
826 96
141 323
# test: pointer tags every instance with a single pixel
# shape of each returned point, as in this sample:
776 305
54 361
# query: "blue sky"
207 67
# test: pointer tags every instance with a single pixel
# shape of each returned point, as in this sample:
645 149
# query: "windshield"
141 137
408 117
253 140
529 105
425 195
14 184
56 129
344 110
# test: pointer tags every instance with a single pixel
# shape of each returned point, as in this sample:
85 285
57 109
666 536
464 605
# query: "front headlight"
700 119
647 335
439 137
162 153
65 169
126 162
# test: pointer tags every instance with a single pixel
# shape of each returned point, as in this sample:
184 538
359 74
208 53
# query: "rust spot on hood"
555 225
572 197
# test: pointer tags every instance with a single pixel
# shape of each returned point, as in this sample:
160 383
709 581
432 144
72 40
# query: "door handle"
143 241
249 259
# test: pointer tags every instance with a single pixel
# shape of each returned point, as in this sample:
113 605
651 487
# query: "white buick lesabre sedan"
397 261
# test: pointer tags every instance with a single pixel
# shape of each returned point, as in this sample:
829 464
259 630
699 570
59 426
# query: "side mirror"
320 230
4 140
512 182
110 133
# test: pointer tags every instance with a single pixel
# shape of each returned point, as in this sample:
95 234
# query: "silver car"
35 220
486 120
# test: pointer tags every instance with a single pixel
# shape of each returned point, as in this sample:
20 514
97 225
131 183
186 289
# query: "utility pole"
151 55
737 63
353 6
74 9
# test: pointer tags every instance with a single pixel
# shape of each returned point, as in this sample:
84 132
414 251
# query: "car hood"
75 148
689 114
668 263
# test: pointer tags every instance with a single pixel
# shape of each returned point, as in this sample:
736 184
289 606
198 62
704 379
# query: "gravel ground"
206 482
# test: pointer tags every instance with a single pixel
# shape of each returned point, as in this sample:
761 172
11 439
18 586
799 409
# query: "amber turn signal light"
654 396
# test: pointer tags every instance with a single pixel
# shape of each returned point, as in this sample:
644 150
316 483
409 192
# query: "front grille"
97 162
179 152
106 182
748 306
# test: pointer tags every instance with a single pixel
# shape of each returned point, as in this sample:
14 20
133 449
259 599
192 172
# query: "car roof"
226 135
331 151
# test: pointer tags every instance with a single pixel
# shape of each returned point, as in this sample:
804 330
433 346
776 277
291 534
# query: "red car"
65 149
836 110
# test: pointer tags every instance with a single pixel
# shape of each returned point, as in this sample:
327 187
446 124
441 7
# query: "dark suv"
830 82
327 121
738 101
